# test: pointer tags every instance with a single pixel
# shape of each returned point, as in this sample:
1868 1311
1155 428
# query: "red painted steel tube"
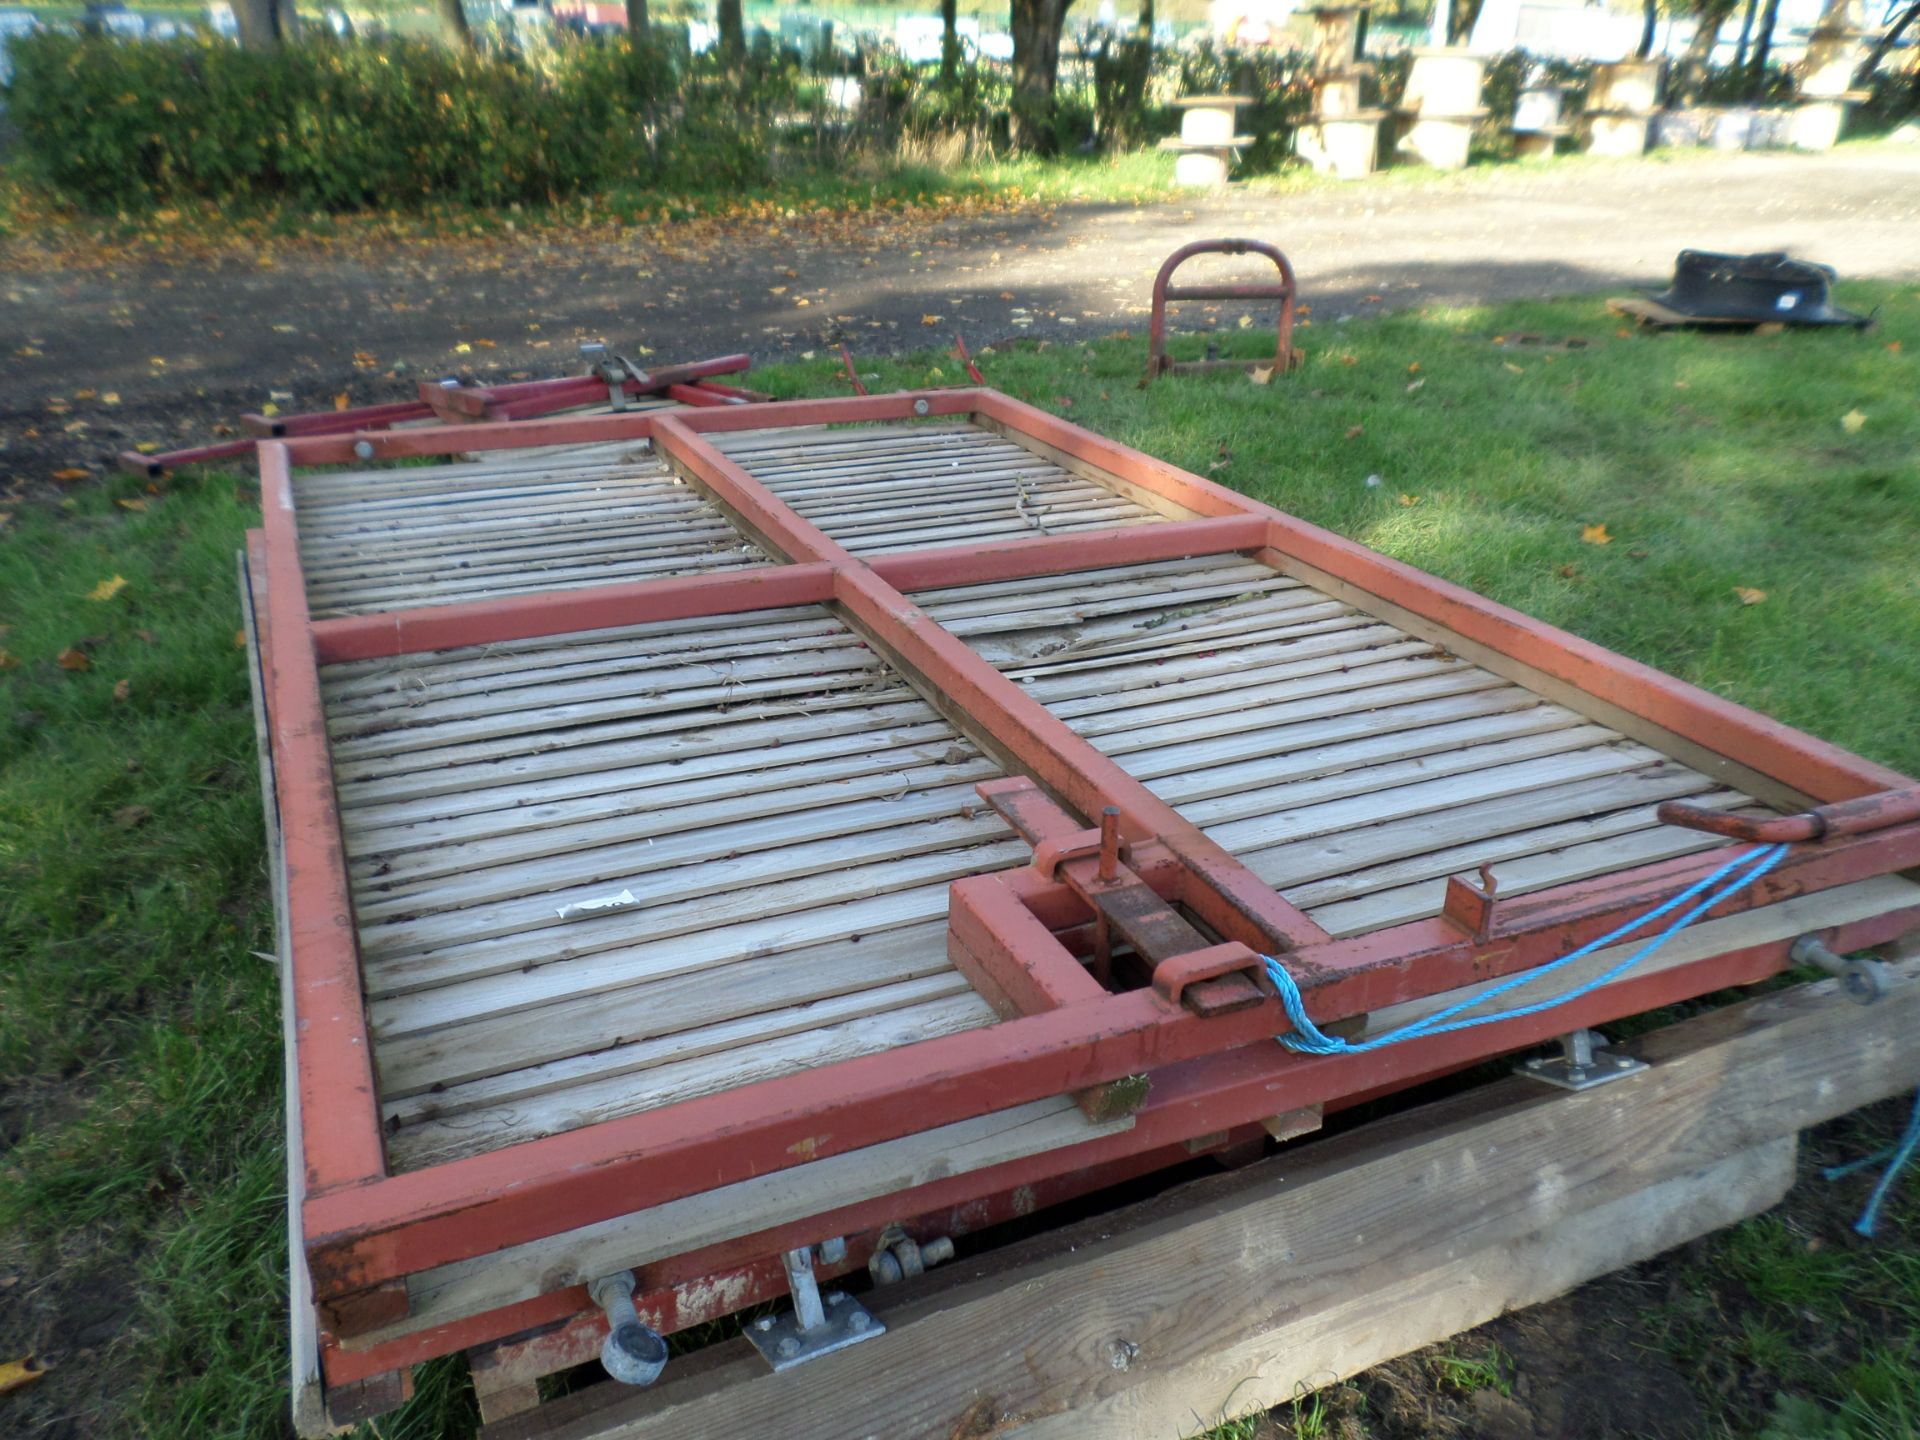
1284 290
1848 817
695 395
1203 496
340 1116
479 400
844 410
462 439
1199 1097
326 422
486 1202
154 465
790 534
1382 967
1055 754
1794 759
956 1205
560 612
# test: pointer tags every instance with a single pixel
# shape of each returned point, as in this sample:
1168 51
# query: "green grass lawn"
141 1245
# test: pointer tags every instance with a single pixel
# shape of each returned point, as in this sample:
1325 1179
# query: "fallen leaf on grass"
128 816
1853 422
107 589
1415 386
1513 367
1260 374
1409 500
16 1373
340 401
72 659
1354 432
1567 572
122 689
1349 359
8 660
134 504
239 639
86 394
929 319
72 475
147 447
1414 368
110 397
1595 534
1246 322
1893 347
1748 595
463 348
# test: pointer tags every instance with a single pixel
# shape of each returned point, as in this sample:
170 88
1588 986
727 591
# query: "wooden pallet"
1655 316
1233 1294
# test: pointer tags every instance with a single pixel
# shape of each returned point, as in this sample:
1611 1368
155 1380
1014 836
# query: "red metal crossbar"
1065 1033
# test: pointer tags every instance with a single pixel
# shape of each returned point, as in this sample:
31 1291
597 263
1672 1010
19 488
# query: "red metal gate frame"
367 1229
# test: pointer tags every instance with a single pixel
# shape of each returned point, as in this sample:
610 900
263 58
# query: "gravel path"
314 324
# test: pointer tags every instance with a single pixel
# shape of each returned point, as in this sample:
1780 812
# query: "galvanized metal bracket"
1582 1063
816 1325
1863 981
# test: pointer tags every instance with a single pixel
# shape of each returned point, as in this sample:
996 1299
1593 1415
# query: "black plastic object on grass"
1762 288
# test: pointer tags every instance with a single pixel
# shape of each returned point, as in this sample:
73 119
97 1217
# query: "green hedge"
338 126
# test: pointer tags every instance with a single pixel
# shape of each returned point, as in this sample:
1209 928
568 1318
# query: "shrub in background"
335 126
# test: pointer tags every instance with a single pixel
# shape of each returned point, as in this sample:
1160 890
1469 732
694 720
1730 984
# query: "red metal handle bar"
1285 291
1845 817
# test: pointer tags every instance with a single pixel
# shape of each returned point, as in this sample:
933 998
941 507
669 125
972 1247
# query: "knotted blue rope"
1744 870
1896 1155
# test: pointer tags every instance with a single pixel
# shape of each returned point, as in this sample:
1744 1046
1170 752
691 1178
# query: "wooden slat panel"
518 525
1351 765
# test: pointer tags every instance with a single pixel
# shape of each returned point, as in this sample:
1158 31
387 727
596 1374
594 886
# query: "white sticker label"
1787 301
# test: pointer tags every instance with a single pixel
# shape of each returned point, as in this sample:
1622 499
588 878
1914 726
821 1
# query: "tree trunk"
637 21
949 40
1746 35
1036 27
259 22
1462 16
732 27
1762 49
1647 28
1706 36
453 21
1885 43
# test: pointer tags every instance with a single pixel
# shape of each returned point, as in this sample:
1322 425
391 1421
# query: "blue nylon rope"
1307 1038
1896 1155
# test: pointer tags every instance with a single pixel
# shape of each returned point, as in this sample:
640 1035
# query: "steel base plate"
783 1344
1562 1072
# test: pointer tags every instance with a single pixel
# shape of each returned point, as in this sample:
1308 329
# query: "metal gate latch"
1583 1063
812 1328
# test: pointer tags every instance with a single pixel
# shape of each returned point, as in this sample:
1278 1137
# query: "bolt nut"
921 407
363 449
859 1320
789 1346
765 1322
